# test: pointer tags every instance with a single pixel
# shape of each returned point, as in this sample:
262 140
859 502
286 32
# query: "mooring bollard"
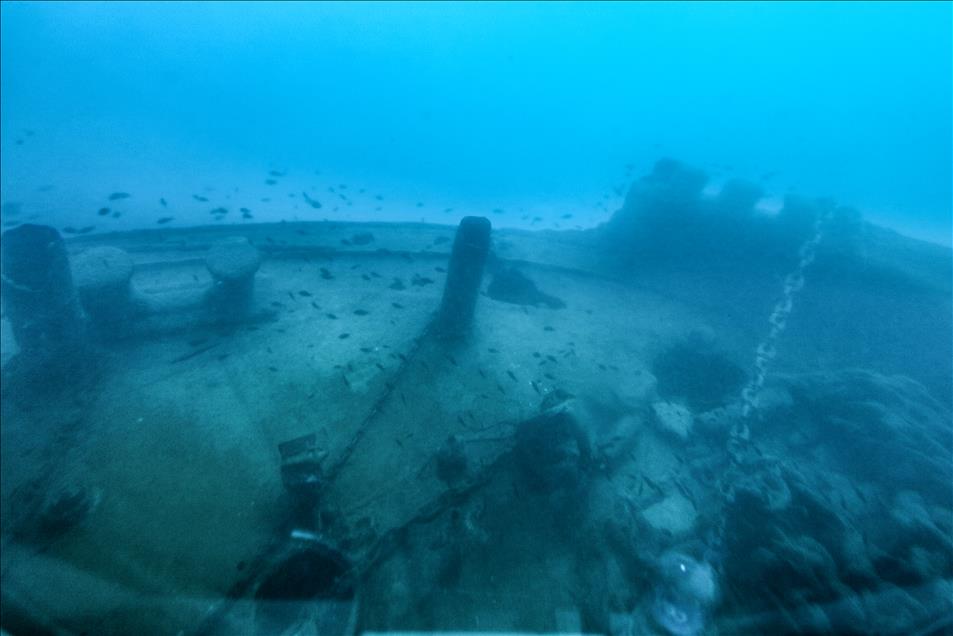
38 295
103 276
467 260
232 263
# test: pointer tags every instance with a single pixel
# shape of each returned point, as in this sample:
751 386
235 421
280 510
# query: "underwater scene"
351 318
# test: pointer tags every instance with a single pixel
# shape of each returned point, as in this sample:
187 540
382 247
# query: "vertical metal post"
467 261
39 298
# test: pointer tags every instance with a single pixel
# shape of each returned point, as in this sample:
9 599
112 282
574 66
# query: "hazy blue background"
532 109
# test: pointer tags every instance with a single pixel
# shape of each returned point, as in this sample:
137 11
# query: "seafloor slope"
531 477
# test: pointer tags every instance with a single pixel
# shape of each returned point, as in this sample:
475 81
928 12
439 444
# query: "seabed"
440 506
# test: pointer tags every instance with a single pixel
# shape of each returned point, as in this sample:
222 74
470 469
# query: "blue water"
529 109
724 406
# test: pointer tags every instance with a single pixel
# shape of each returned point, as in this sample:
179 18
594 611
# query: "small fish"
512 375
219 211
270 182
361 312
305 293
362 238
163 220
163 203
326 274
200 198
275 173
396 305
103 211
314 203
116 196
315 305
192 354
331 316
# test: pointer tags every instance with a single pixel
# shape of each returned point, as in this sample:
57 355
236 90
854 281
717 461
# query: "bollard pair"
53 308
103 276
